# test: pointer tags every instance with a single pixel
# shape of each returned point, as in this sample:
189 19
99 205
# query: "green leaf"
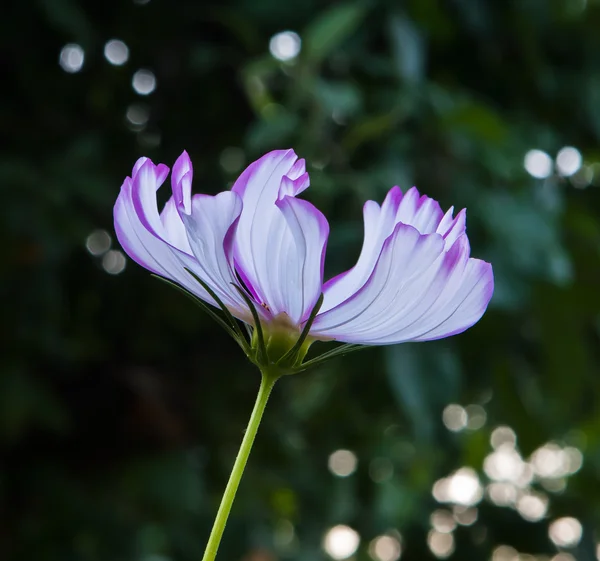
479 121
408 48
423 378
330 30
338 96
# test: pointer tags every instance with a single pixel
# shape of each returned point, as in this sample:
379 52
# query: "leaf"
330 30
275 129
370 128
69 17
343 97
423 380
479 121
408 49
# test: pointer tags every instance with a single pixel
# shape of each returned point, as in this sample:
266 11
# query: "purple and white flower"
414 279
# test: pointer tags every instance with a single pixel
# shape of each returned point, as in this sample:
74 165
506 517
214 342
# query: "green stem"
266 385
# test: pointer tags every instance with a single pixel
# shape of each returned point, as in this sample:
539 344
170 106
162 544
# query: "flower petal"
298 267
173 228
146 180
444 297
379 224
148 250
468 304
210 227
396 281
263 234
137 242
421 212
169 243
181 182
452 228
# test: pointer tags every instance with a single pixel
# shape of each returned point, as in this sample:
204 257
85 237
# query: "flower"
258 250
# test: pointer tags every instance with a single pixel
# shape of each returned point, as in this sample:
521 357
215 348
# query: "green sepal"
240 340
256 350
338 351
232 321
261 357
294 356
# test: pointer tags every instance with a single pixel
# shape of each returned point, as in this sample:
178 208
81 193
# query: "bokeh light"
442 520
463 488
114 262
71 58
552 461
505 553
568 161
563 556
342 463
555 485
144 82
502 494
440 544
137 115
385 548
98 242
503 435
538 164
116 52
476 416
532 506
465 516
341 542
454 417
582 177
506 464
565 532
285 46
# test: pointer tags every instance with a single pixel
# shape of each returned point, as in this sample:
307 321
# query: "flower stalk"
269 377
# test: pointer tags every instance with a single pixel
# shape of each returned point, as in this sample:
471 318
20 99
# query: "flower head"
257 251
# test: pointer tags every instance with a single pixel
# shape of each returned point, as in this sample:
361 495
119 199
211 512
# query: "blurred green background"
122 405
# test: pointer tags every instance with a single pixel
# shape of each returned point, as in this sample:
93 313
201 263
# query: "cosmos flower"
257 251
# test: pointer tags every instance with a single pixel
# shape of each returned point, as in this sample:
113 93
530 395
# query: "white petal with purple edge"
468 304
209 228
161 242
132 234
263 235
147 249
173 227
412 209
442 299
405 258
301 259
181 183
379 224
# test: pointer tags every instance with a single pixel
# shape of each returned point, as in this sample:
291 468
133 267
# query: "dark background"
122 406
